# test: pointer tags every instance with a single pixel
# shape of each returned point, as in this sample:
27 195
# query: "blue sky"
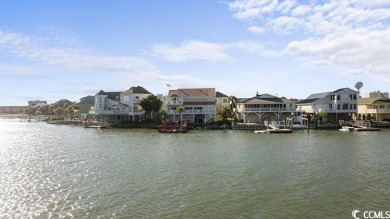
50 50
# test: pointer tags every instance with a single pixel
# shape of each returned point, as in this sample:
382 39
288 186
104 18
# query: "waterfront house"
115 107
265 107
374 108
340 104
200 104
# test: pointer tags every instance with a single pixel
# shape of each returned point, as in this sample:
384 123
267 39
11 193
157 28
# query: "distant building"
376 94
35 102
12 109
85 104
63 103
340 104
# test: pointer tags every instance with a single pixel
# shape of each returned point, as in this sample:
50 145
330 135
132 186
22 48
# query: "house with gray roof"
340 104
115 107
265 107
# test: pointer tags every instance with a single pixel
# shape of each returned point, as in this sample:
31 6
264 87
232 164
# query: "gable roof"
88 100
378 100
219 94
110 95
346 88
265 99
136 90
193 92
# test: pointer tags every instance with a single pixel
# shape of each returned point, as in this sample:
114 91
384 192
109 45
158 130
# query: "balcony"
192 112
271 109
115 112
374 111
178 102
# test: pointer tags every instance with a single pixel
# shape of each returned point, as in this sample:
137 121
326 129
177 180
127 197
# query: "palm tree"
233 104
180 110
322 115
224 112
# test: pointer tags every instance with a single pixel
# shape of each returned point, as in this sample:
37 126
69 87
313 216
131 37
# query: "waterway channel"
61 171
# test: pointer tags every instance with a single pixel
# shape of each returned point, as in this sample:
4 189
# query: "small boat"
274 131
97 125
172 127
347 128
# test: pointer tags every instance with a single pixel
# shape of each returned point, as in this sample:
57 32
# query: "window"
332 97
354 106
338 106
225 101
330 106
338 96
354 97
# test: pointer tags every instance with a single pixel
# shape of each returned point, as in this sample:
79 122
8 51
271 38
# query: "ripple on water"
53 171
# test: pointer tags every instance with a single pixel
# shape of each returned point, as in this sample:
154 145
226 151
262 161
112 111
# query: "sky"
68 49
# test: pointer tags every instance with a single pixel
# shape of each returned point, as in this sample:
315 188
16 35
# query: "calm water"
50 171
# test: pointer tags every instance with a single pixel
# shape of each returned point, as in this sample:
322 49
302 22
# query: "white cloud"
52 53
208 51
352 35
191 50
256 29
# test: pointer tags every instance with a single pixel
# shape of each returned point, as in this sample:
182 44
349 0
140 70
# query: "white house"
200 104
265 107
115 107
340 104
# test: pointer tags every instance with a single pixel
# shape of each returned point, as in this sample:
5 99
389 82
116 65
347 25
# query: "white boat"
347 128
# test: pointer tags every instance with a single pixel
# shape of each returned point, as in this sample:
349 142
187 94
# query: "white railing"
378 110
271 109
116 112
192 112
174 102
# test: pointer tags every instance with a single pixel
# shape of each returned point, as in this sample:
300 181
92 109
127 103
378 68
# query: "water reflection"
65 171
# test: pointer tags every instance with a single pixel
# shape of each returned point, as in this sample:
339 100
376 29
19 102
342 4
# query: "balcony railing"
192 112
116 112
378 110
271 109
178 102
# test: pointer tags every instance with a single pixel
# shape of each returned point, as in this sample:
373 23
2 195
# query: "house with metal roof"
200 104
115 107
375 108
340 104
265 107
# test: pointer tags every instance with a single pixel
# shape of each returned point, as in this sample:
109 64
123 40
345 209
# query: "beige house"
200 104
375 108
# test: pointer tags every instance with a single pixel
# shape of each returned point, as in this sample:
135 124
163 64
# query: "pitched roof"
265 99
378 100
110 95
346 88
194 92
219 94
136 90
318 95
88 100
307 101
